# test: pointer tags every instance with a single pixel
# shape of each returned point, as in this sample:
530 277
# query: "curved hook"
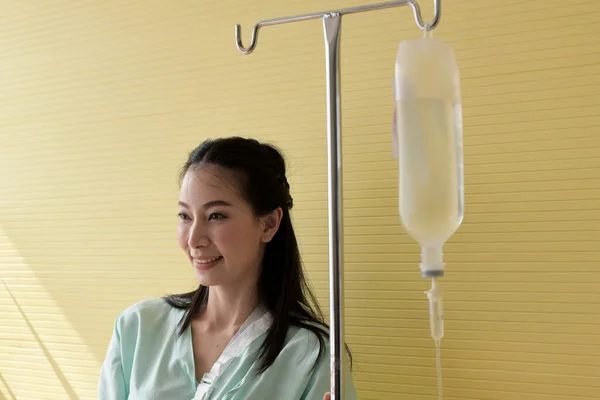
437 13
253 41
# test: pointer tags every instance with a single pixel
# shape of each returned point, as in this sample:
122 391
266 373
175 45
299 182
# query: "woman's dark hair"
260 172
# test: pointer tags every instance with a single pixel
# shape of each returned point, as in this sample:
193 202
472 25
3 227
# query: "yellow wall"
100 102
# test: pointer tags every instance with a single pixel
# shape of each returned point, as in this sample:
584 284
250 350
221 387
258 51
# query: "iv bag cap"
431 273
432 261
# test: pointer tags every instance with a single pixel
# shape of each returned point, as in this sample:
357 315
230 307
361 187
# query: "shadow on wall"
47 355
7 388
36 336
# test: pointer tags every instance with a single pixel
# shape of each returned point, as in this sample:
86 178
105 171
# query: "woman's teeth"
206 260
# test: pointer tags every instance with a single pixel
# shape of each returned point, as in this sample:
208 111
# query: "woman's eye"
217 216
183 216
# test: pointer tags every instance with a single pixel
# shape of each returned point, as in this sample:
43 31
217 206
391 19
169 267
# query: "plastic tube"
436 324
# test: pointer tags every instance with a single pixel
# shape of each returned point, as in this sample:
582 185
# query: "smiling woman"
218 225
252 329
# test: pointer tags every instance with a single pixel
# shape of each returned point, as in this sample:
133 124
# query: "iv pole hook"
437 12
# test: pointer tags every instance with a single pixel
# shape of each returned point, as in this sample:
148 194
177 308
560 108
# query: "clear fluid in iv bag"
430 168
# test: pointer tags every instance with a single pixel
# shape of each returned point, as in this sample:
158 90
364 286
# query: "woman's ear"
270 224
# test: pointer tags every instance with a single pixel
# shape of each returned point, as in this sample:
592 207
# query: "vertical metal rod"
331 27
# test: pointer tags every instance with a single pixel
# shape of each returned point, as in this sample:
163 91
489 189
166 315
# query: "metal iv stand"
331 26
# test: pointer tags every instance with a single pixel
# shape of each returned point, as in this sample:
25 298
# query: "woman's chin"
208 277
205 279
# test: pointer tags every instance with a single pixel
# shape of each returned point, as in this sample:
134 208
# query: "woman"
252 329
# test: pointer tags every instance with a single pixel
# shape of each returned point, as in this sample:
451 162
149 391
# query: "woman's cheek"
230 235
182 236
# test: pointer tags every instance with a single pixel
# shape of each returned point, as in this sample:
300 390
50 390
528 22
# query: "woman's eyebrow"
210 204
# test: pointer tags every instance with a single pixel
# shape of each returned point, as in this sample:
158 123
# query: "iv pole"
331 26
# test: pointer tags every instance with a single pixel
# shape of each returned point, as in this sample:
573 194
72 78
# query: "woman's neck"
228 307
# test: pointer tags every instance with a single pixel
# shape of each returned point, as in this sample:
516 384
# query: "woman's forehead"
209 181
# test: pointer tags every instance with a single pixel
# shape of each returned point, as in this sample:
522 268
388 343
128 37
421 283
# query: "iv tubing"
331 26
436 323
438 367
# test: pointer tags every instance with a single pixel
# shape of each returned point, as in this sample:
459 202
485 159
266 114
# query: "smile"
207 260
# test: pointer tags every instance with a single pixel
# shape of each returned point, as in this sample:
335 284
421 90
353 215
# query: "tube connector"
436 310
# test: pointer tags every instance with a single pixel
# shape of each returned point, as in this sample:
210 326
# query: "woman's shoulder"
146 313
147 307
307 343
306 358
312 346
310 334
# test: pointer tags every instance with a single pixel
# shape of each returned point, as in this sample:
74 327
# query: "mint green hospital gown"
148 360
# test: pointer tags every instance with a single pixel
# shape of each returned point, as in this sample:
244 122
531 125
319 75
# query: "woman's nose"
198 237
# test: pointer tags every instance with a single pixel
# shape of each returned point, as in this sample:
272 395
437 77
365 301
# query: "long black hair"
260 171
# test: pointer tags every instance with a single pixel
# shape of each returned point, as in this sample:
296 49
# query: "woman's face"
218 230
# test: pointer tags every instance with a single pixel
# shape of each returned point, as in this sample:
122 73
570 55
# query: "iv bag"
429 135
